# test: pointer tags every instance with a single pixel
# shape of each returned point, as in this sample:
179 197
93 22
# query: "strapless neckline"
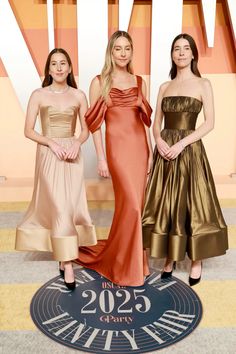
58 122
58 108
194 98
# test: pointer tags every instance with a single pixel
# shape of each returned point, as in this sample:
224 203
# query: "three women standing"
181 213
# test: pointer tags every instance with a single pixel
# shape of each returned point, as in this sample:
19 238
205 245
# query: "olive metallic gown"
121 258
182 213
57 219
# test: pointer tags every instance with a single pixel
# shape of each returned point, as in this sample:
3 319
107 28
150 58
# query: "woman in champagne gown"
126 112
57 219
182 213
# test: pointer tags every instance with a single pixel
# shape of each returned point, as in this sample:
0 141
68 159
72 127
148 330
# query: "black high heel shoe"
70 286
194 281
61 271
165 275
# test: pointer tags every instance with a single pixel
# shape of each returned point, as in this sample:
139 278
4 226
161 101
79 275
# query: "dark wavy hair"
47 77
194 62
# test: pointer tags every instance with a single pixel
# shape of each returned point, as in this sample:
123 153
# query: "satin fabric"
182 213
121 258
57 219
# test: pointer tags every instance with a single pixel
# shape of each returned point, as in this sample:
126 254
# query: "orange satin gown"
121 258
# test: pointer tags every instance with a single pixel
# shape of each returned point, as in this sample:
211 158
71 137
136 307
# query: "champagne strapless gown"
57 218
121 258
182 213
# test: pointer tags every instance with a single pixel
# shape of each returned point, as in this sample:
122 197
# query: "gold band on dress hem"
217 245
33 240
147 230
175 247
64 248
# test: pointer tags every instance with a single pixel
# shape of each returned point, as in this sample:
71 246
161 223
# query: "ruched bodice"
182 212
180 112
119 100
58 123
124 98
181 104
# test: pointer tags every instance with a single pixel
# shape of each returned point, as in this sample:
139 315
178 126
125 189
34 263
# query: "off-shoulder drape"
96 115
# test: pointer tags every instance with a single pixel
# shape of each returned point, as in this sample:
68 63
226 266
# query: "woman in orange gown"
118 98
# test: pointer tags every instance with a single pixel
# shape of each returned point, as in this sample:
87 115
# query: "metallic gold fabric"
182 213
180 120
57 218
121 258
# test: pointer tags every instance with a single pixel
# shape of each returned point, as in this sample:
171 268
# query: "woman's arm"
94 94
162 146
84 134
208 111
73 151
204 128
147 131
31 116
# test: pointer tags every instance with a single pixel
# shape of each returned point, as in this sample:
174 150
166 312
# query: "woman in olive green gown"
182 213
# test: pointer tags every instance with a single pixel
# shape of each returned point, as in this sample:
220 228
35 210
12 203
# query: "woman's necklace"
59 91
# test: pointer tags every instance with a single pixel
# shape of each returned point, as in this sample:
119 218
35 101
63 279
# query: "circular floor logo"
101 317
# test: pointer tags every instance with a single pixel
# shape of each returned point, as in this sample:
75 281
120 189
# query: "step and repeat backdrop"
31 28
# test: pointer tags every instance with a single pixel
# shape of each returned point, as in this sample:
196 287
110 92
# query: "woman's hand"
162 147
58 150
103 168
150 162
175 150
73 151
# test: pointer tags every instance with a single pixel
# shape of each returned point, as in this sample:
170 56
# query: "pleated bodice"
58 123
180 112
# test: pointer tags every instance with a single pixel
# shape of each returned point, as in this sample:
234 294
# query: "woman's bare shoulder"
164 86
96 83
38 94
78 93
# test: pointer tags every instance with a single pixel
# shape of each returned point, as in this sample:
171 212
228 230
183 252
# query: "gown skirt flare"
121 258
182 213
57 219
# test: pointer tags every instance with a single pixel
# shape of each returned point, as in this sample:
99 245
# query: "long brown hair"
108 67
194 62
47 77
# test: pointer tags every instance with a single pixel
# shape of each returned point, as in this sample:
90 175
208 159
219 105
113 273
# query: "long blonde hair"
108 67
